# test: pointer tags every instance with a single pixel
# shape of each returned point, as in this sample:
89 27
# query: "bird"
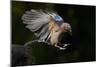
48 27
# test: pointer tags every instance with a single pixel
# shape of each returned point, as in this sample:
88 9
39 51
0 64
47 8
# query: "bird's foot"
62 46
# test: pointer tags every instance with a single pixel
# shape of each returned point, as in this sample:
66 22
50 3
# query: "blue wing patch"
58 18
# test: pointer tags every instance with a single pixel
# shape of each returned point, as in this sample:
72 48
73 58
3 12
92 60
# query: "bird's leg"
66 45
61 48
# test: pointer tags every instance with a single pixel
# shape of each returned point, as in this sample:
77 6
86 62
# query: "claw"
66 45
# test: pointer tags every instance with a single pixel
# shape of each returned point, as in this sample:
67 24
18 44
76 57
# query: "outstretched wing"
37 21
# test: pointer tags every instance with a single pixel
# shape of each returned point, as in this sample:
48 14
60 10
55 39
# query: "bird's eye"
57 30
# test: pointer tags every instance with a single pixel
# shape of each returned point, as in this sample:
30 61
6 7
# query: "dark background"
82 20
